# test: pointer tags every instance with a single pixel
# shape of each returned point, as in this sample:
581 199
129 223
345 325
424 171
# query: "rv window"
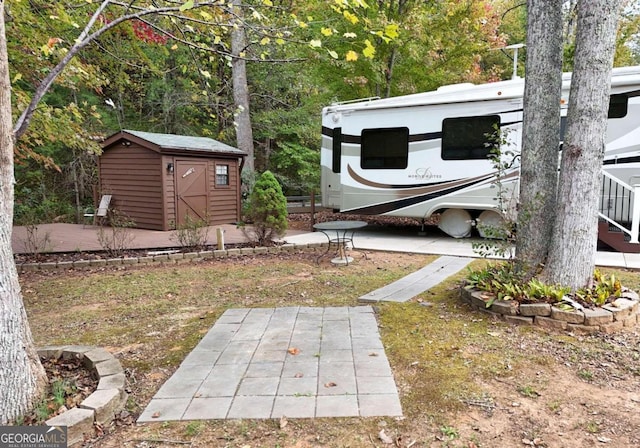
468 137
336 152
618 106
384 149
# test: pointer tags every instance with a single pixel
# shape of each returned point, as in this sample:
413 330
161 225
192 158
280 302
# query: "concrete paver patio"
298 362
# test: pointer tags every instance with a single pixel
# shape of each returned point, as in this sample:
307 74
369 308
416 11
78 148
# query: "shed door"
192 189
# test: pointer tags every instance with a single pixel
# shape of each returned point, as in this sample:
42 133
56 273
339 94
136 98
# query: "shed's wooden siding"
224 201
133 175
169 186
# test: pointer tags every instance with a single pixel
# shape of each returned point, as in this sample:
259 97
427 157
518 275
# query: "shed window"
222 175
385 149
466 138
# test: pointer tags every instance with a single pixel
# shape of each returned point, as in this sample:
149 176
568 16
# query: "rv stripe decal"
402 203
412 189
622 160
357 140
426 137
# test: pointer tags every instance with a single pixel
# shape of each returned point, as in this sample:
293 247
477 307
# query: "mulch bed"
70 382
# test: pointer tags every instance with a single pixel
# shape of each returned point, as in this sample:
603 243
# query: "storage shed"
157 180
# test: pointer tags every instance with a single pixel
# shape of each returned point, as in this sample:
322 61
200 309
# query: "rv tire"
456 223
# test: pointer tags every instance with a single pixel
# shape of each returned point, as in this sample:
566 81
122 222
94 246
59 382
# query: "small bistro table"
339 234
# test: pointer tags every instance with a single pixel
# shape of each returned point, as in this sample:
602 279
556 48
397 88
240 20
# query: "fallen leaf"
155 415
293 351
373 354
298 375
384 438
283 422
156 376
330 384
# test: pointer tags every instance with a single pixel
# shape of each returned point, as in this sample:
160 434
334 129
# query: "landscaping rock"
104 403
93 357
597 317
535 309
583 329
520 320
116 381
109 367
631 321
572 317
478 300
79 423
505 307
549 322
612 327
621 308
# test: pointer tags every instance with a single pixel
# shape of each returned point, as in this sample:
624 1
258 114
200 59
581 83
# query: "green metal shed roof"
185 142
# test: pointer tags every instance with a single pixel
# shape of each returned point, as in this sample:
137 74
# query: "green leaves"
187 5
505 283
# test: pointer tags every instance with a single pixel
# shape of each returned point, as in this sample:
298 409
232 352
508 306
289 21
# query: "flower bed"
614 316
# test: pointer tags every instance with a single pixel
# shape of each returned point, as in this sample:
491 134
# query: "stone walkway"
416 283
298 362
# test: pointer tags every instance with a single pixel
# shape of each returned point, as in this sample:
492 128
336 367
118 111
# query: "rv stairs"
615 238
619 223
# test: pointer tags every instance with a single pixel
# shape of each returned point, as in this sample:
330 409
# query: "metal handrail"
626 208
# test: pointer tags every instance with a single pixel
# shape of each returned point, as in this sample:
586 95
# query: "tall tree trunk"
573 246
540 133
388 76
244 133
22 377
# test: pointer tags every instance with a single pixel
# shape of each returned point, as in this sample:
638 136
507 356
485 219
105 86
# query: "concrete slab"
416 283
436 244
243 368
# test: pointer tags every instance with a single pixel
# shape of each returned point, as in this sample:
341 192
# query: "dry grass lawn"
465 380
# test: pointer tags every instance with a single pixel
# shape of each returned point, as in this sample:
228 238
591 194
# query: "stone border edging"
623 312
102 405
181 257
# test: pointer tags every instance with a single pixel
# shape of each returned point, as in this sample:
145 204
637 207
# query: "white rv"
416 155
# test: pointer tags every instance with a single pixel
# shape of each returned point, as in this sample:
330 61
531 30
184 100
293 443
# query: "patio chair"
99 214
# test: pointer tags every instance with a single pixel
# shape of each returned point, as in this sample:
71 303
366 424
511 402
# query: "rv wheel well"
474 212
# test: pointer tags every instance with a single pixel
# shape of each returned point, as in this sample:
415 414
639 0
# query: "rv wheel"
491 225
455 222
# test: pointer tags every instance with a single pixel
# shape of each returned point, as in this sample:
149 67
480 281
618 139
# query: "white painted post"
220 238
635 220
